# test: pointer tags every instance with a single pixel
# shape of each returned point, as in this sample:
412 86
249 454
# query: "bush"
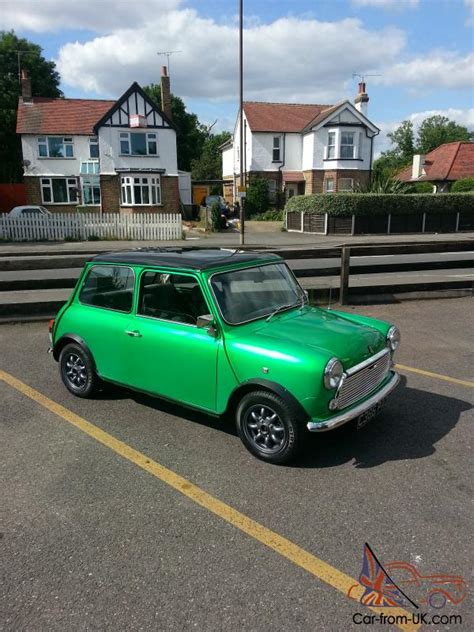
422 187
269 216
462 186
374 204
257 200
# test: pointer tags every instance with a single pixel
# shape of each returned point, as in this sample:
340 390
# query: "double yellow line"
284 547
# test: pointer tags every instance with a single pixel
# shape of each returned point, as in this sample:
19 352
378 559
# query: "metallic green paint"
184 363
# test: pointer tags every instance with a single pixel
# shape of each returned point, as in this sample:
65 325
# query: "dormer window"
276 149
55 147
347 145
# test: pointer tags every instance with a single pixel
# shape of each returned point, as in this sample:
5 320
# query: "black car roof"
191 258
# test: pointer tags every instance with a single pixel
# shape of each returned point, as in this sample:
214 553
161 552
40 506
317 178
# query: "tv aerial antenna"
167 54
362 76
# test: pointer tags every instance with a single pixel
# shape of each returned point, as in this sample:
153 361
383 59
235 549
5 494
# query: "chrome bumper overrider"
343 418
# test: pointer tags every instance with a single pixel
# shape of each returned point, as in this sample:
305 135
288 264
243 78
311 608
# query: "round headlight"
333 373
393 338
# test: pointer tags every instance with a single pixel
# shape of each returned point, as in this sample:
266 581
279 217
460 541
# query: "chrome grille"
362 379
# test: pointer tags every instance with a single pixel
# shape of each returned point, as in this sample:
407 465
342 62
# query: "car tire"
77 370
437 600
269 427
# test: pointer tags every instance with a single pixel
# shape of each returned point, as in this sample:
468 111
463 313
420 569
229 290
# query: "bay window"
331 150
138 144
55 147
329 185
138 190
59 190
347 145
345 185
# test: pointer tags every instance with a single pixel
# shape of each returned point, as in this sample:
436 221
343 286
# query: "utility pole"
241 115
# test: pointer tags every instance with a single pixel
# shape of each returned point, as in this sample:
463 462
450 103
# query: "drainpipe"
371 150
282 164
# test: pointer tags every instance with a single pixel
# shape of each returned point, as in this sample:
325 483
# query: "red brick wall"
315 179
33 196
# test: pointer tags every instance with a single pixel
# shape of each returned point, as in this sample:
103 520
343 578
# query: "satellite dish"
26 163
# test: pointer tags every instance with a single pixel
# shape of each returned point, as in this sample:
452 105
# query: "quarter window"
110 287
276 149
175 297
138 144
59 190
55 147
141 190
331 149
347 145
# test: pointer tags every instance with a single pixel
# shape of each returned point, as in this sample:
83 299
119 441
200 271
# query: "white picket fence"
81 226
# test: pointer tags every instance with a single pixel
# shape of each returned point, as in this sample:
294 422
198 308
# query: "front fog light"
393 338
333 373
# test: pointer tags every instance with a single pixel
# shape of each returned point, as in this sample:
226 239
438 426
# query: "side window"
175 297
110 287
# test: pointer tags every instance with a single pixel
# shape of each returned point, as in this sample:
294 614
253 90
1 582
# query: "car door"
168 354
100 315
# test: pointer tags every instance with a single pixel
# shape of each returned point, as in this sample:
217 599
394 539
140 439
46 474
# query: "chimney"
417 169
165 92
362 99
25 87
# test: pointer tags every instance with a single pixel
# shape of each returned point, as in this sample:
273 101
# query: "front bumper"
339 420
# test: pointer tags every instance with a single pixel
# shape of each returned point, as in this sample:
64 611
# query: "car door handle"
133 334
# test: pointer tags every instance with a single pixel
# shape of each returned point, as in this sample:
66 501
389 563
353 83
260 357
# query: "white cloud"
462 117
387 4
290 59
95 15
438 69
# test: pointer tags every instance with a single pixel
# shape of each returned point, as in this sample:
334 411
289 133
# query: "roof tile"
280 117
451 161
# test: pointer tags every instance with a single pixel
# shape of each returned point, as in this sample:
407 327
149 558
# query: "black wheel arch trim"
274 387
65 339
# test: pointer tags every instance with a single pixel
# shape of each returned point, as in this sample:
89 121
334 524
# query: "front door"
291 190
168 354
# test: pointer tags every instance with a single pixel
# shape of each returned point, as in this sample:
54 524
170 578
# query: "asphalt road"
90 541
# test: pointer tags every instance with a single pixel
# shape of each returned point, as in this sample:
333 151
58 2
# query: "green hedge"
341 204
466 184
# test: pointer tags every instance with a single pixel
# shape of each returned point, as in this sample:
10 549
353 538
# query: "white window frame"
328 189
89 167
67 142
353 145
150 137
46 184
276 147
349 190
93 142
129 185
331 145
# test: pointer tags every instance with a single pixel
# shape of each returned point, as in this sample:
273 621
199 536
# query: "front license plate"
370 414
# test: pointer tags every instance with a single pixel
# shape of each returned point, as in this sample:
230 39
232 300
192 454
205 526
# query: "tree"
257 200
190 134
209 164
44 82
436 130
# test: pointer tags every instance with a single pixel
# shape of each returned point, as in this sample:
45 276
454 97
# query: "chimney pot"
164 71
362 87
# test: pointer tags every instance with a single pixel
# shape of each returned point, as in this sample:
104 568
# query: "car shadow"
409 427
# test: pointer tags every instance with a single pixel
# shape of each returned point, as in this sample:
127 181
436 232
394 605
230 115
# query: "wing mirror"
206 321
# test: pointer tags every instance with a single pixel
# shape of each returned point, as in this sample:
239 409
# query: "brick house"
302 148
442 166
114 156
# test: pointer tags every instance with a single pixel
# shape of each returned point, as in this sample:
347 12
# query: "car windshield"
252 293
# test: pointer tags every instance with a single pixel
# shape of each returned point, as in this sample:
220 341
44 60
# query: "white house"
119 156
301 148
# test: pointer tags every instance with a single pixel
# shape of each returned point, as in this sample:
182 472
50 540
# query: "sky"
417 55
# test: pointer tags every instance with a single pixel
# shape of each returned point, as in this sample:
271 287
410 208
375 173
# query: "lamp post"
241 115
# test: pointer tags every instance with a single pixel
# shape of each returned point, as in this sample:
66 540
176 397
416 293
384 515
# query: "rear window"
110 287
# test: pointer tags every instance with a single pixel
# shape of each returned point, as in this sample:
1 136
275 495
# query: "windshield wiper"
280 309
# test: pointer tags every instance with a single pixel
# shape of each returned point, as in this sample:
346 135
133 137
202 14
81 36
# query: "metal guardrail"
346 251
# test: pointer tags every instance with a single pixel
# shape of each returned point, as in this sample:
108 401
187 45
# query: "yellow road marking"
438 376
292 552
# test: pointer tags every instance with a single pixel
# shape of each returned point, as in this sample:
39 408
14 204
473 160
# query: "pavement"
96 537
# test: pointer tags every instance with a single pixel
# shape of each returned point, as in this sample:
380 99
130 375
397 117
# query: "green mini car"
224 331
